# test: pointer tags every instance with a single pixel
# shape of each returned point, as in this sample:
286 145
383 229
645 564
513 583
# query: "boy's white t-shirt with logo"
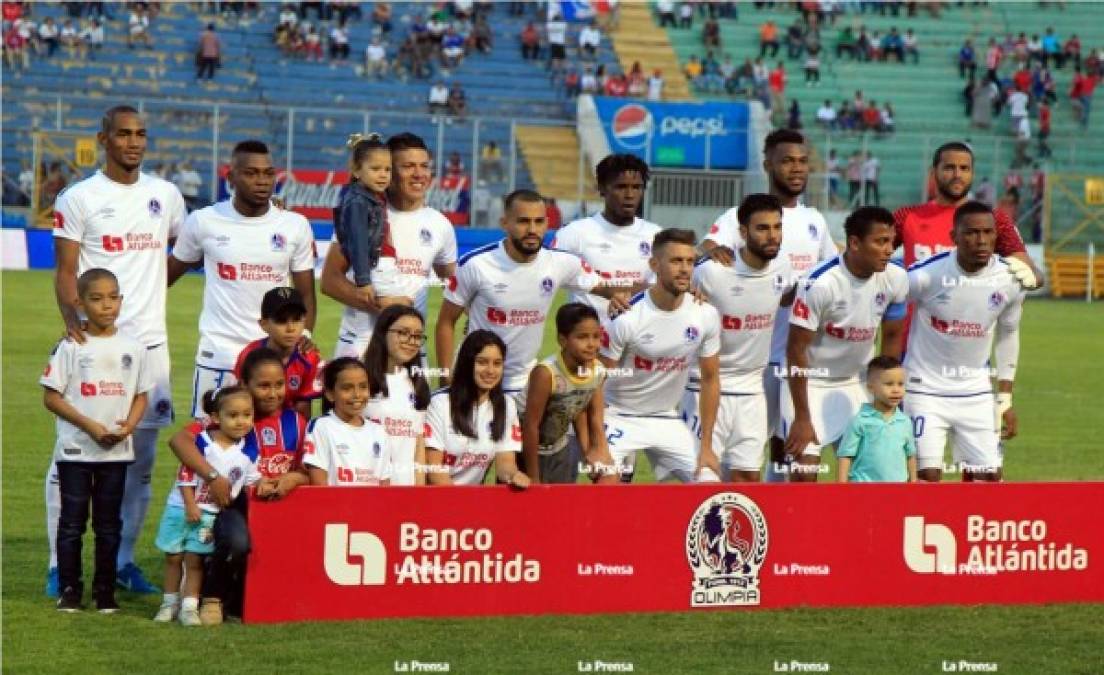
99 378
243 258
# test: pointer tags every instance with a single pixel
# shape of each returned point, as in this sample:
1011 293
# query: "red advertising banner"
315 192
398 552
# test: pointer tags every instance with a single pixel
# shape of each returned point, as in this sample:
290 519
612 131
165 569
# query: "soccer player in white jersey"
247 247
833 326
648 358
122 220
508 287
805 242
615 243
964 298
747 293
424 240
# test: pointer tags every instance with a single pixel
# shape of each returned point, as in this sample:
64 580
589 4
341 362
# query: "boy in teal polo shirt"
878 446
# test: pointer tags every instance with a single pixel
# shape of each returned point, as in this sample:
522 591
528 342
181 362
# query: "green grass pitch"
1058 394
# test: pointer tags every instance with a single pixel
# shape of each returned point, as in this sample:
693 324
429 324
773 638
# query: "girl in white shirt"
343 448
473 422
400 393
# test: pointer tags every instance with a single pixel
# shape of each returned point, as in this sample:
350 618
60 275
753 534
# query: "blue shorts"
177 535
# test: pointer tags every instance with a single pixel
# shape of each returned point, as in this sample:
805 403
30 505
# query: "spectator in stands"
16 50
555 216
572 83
92 38
28 30
1017 108
993 56
312 44
139 27
854 177
793 118
208 53
826 116
777 83
590 39
69 38
1072 50
339 43
588 83
768 39
452 49
876 47
845 117
655 86
871 168
693 71
871 117
490 164
48 34
1021 79
912 46
1035 50
833 166
862 45
618 85
457 101
187 180
795 40
454 167
812 66
888 119
54 183
686 15
845 43
482 38
1043 87
436 27
1052 48
438 98
986 193
638 83
711 33
288 16
761 82
1044 128
530 42
986 94
1081 92
375 60
381 16
967 60
1019 49
1023 141
712 79
666 11
555 32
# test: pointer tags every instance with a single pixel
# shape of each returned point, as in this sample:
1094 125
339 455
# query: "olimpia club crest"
726 543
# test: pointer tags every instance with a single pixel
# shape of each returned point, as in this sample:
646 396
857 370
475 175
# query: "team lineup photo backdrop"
462 551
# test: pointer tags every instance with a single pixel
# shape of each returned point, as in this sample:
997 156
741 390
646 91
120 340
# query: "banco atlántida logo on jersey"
726 544
992 547
425 556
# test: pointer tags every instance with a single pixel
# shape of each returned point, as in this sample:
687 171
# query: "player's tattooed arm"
893 331
67 254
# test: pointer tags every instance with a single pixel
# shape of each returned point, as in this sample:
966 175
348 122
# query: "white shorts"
772 389
204 380
971 423
351 344
159 410
670 445
831 409
740 432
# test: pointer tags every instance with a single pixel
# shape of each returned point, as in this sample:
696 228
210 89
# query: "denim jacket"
360 222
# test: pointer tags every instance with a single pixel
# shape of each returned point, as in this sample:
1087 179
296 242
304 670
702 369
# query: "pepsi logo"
632 124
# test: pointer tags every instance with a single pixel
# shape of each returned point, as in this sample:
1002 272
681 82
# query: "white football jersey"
467 459
659 348
233 462
952 330
806 241
100 379
845 313
125 229
243 258
349 455
747 301
402 422
618 254
511 299
422 238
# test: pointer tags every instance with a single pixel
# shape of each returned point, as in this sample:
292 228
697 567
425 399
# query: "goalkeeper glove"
1023 273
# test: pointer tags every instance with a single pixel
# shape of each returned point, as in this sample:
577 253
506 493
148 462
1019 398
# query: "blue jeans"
100 484
225 577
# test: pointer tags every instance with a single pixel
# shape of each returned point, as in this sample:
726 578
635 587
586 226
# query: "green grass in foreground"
1059 375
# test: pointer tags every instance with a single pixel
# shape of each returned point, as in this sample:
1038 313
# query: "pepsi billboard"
677 134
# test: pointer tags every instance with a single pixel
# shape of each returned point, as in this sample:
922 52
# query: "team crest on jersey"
547 285
294 381
127 360
879 298
996 300
645 249
268 436
376 449
59 220
279 242
779 283
814 233
605 247
691 333
501 288
425 237
154 207
413 398
235 474
163 407
726 544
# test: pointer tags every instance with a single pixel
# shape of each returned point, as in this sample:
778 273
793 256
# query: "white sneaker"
166 612
190 617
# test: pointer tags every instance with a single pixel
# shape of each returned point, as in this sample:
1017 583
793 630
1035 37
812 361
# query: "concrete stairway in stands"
638 38
552 155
